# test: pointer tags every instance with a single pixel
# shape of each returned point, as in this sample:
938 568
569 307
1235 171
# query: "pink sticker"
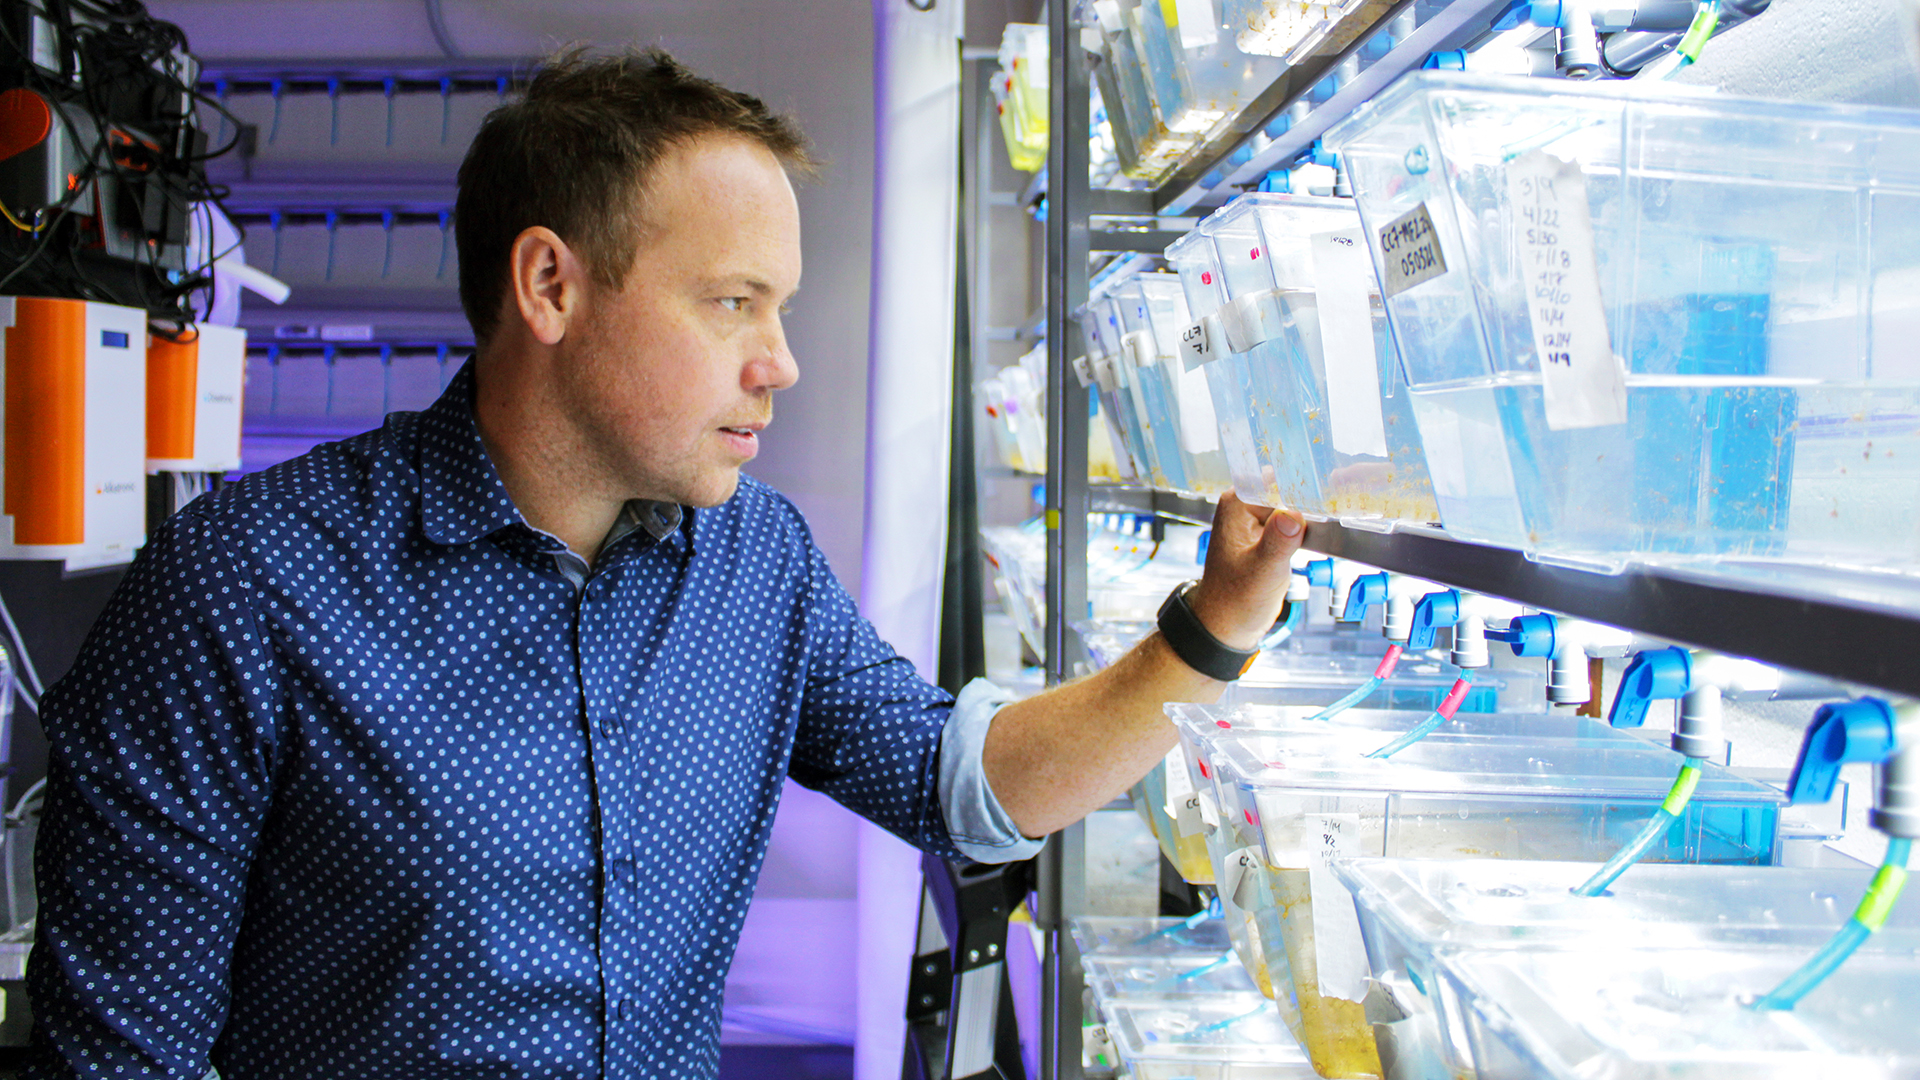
1206 277
1255 253
1223 723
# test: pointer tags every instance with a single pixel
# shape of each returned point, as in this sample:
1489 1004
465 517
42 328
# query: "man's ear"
548 283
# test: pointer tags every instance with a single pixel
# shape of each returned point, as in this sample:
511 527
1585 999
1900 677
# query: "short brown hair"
573 153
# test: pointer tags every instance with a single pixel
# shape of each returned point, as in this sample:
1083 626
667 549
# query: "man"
451 750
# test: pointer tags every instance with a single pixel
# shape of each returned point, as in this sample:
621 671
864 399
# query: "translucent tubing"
1663 818
1296 616
1448 706
1871 915
1380 674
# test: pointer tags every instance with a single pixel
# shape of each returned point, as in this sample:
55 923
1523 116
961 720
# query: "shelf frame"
1854 628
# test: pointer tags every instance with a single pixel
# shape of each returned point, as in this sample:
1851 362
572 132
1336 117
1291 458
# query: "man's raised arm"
1058 756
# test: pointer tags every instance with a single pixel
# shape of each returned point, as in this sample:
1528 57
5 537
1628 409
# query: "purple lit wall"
793 981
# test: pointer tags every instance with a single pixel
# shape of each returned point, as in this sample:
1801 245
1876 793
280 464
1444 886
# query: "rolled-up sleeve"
981 828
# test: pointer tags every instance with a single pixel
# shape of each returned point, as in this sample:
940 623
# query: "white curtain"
910 364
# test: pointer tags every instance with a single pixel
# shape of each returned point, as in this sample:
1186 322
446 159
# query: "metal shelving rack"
1850 628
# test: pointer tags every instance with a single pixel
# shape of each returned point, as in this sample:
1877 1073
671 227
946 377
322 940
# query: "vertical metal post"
1062 883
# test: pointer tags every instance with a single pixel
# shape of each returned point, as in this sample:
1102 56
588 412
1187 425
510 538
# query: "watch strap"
1195 645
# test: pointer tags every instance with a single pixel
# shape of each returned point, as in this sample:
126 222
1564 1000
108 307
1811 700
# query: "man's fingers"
1281 535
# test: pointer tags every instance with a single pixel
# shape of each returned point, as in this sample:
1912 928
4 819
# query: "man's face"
671 377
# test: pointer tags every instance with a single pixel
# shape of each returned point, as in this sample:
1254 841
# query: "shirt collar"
462 498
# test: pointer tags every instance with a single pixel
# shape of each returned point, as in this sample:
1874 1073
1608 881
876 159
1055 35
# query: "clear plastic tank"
1207 1039
1609 1012
1321 373
1301 800
1166 978
1176 402
1413 913
1726 292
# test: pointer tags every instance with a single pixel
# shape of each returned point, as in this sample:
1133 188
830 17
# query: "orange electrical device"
195 386
73 458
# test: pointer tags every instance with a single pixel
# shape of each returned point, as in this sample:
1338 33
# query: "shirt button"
627 1011
623 871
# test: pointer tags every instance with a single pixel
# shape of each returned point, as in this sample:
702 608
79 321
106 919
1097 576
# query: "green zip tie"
1881 895
1704 22
1683 786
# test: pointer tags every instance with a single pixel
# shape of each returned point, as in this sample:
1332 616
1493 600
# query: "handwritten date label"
1584 384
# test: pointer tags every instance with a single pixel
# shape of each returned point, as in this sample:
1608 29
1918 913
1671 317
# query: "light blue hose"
1296 615
1869 917
1663 819
1349 701
1441 715
1413 735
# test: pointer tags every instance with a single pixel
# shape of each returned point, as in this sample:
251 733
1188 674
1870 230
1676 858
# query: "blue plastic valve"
1513 18
1450 60
1434 611
1279 181
1841 732
1531 635
1368 590
1320 155
1654 675
1320 572
1546 12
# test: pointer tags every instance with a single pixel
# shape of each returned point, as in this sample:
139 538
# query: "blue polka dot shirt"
353 779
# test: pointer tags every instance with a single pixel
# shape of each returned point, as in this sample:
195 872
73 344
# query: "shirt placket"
602 682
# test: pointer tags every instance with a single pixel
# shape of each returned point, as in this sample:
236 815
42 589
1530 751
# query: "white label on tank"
1241 870
1179 780
1198 342
1188 819
1343 273
1409 252
1337 949
1199 426
1584 384
1199 27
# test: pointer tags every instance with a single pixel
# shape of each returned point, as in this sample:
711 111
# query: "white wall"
812 60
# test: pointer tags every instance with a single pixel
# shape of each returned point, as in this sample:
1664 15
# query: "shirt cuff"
981 828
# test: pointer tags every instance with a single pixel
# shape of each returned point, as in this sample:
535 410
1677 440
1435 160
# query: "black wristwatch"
1194 644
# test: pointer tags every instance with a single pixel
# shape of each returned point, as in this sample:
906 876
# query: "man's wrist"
1188 635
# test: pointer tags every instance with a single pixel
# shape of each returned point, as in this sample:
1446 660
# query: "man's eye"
733 303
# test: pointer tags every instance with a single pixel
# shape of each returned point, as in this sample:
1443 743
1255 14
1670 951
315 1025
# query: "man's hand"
1057 756
1248 564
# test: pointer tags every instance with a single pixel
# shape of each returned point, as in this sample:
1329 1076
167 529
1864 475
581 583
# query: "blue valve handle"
1654 675
1368 590
1842 731
1434 611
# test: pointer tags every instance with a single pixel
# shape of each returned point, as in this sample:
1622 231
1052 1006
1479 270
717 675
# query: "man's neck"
539 463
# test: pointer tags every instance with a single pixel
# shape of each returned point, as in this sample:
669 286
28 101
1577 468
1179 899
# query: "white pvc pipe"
257 280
